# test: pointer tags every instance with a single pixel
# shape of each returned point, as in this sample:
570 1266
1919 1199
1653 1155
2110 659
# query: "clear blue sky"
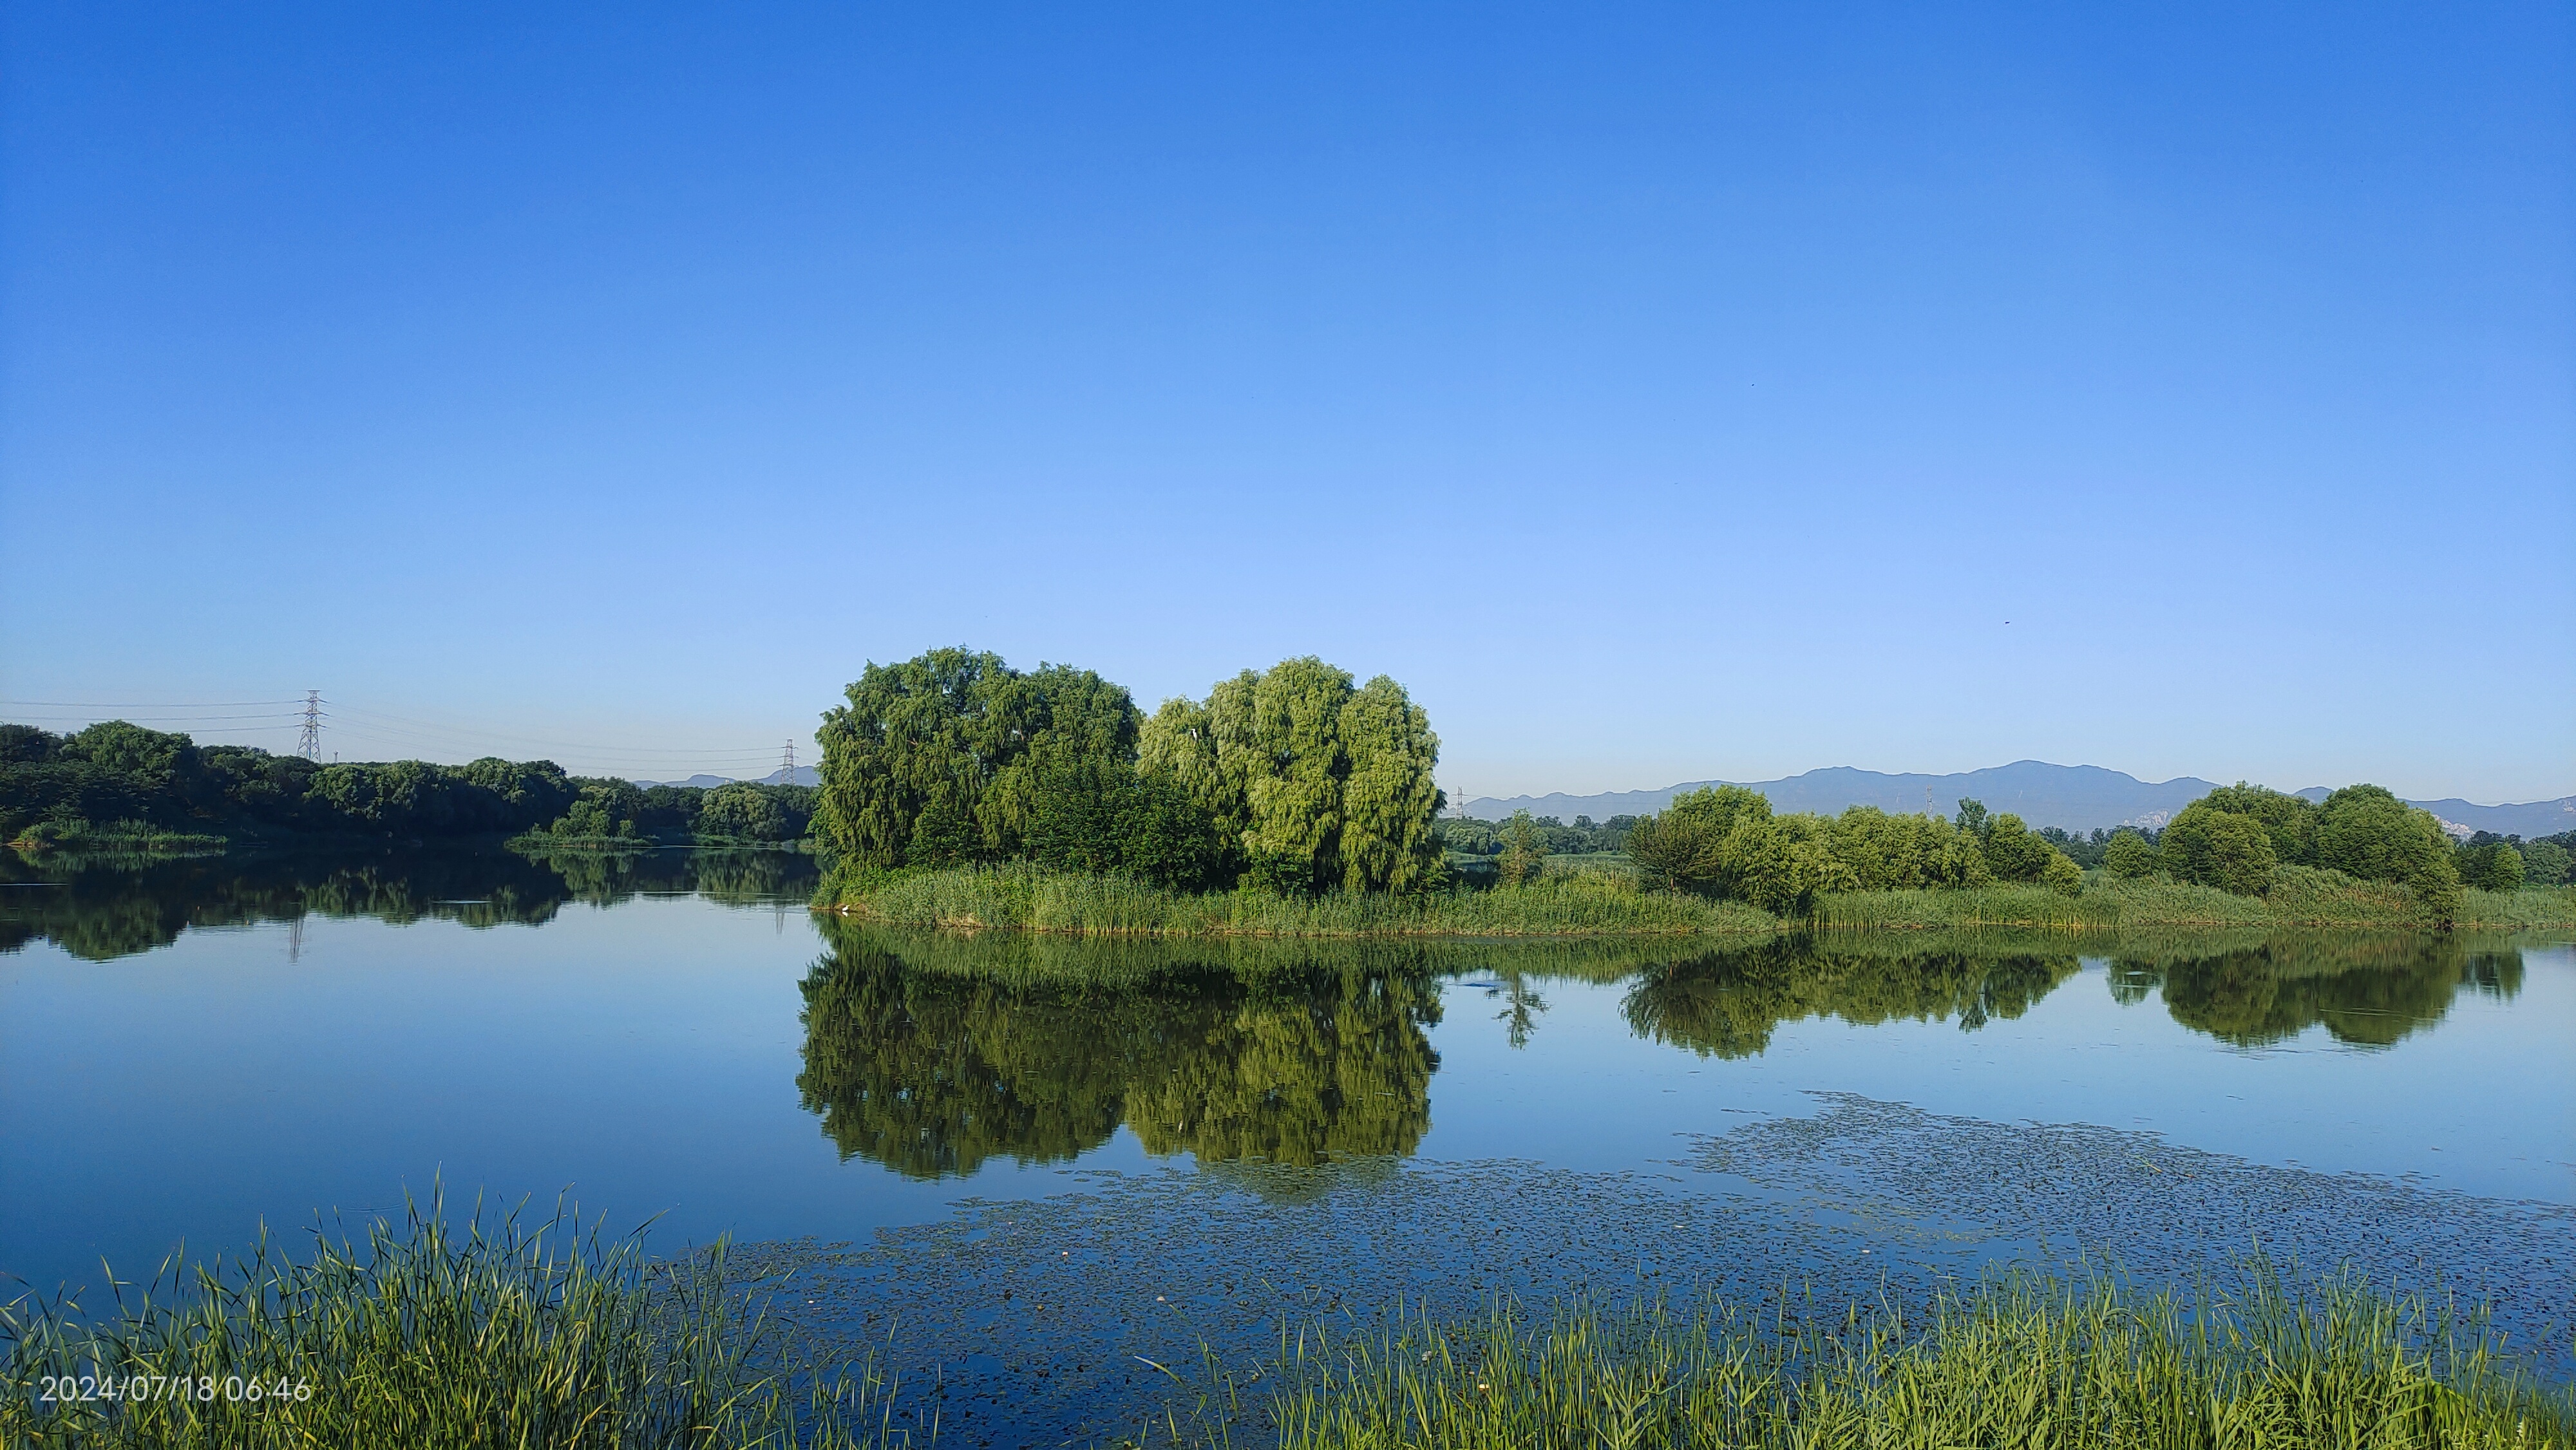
1659 392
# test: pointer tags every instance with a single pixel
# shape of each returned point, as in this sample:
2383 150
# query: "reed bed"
421 1334
2299 897
2019 1361
1033 898
2530 908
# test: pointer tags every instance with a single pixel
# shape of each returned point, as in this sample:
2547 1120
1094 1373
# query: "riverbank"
1032 898
1604 903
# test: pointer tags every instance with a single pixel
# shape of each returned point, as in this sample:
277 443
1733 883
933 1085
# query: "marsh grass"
419 1333
2299 897
2014 1361
1021 895
2526 909
1579 900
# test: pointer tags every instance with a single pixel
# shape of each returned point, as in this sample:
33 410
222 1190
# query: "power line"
145 704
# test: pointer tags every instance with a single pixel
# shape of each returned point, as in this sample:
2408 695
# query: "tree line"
1725 841
116 780
2237 837
1297 778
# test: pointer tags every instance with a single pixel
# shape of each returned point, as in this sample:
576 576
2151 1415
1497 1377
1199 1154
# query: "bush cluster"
1724 841
2234 837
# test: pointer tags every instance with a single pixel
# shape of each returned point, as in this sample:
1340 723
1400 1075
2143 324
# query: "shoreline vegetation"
1606 902
420 1331
960 793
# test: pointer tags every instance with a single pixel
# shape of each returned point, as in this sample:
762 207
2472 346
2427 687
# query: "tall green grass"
417 1334
2530 908
1581 901
2299 896
1018 894
2014 1362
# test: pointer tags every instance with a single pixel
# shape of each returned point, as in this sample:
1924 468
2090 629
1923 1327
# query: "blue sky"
1659 392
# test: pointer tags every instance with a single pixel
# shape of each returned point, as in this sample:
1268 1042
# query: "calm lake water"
190 1051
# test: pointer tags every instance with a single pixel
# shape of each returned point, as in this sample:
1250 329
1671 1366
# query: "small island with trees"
959 792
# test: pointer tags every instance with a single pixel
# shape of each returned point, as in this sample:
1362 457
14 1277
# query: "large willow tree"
955 756
1323 783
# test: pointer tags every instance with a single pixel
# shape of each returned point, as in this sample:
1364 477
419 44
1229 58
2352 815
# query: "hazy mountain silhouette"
2076 797
803 775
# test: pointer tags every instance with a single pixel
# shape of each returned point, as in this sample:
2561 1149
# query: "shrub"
2208 847
2128 856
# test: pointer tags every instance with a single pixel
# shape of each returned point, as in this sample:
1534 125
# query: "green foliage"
1019 894
2367 833
1294 780
2008 1361
1322 784
422 1333
2289 821
742 813
1523 853
2490 866
120 775
1724 841
2544 863
945 757
2128 855
2210 847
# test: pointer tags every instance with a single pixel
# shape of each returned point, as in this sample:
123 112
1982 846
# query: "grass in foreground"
420 1335
550 1337
1033 898
2012 1362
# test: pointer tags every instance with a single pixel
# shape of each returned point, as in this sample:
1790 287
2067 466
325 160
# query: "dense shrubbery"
118 779
1724 841
1295 779
2233 837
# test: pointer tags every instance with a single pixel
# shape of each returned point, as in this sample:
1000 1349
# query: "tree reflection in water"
102 908
935 1055
2367 991
1727 1004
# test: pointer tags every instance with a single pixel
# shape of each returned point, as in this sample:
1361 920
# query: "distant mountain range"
2074 797
801 775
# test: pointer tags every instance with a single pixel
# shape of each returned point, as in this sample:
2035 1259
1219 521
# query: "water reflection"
1727 1004
101 908
2365 991
932 1055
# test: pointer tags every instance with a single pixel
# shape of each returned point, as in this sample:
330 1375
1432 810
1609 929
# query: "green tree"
2219 848
939 759
2491 866
2544 863
743 813
1389 800
1683 847
1972 818
2290 821
2367 833
1782 863
2128 855
1523 851
1316 783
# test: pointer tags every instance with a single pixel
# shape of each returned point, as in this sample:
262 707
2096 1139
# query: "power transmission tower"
310 745
787 765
